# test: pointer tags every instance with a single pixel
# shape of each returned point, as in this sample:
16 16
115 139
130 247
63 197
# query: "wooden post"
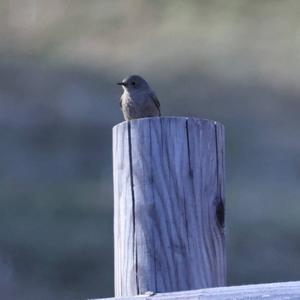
168 205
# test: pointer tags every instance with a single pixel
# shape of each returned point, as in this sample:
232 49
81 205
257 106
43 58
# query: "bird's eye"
133 82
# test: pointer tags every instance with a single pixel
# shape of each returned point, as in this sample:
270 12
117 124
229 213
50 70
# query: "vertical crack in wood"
190 172
133 208
220 211
154 208
188 262
188 146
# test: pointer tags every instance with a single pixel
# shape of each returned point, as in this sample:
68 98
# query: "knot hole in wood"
220 213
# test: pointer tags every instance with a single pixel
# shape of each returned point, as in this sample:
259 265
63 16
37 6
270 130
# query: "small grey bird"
138 100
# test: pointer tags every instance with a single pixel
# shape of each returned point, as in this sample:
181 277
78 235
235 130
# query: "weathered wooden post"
168 205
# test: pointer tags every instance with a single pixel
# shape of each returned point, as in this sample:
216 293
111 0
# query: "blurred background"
235 61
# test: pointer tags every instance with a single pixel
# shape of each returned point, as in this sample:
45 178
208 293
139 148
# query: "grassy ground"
57 236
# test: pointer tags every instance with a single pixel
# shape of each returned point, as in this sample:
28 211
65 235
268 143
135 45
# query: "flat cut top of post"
167 117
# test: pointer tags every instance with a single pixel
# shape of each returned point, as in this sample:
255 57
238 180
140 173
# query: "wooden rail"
274 291
169 205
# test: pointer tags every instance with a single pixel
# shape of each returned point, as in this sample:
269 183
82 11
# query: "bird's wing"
155 100
121 100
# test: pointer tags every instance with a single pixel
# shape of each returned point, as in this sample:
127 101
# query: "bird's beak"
121 83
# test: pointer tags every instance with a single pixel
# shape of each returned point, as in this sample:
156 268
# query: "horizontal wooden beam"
274 291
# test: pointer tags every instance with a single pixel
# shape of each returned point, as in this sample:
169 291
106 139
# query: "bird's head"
134 83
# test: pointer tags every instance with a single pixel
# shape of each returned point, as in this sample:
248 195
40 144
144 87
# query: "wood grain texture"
274 291
169 205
